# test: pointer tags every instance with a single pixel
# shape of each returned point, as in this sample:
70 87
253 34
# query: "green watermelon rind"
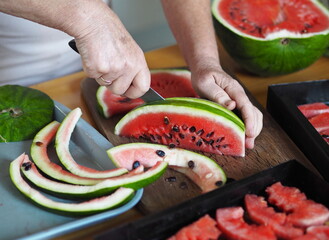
105 187
101 105
116 199
258 55
176 71
37 109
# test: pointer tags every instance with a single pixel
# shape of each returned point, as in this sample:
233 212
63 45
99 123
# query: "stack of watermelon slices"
318 115
292 216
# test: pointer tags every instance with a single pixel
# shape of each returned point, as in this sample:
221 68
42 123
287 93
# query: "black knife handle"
73 45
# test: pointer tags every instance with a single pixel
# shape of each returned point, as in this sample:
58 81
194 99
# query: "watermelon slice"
167 82
191 124
204 228
231 223
312 109
205 172
320 122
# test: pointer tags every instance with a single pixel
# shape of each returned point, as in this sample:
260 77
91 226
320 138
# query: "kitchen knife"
149 96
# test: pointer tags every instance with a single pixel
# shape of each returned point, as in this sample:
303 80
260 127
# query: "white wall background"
145 21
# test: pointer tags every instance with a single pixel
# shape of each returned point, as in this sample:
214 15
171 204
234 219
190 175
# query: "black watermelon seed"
193 138
172 145
199 143
171 179
136 164
211 142
192 129
210 134
183 185
191 164
219 183
181 135
166 120
160 153
175 128
200 132
27 166
169 136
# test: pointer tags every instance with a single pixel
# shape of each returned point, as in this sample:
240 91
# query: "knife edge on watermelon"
191 124
167 82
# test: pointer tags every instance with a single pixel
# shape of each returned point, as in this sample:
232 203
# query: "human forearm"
191 24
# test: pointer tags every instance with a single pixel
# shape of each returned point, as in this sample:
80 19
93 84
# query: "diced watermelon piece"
286 198
261 213
309 213
312 109
320 122
302 212
321 232
205 228
231 223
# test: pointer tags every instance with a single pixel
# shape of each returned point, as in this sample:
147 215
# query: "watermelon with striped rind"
194 124
23 112
272 37
203 171
167 82
118 198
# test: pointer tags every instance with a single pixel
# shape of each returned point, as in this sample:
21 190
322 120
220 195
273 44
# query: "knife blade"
150 96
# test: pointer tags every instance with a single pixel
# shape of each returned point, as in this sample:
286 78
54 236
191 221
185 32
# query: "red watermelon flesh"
321 232
320 122
168 83
231 222
260 18
312 109
301 211
204 228
259 212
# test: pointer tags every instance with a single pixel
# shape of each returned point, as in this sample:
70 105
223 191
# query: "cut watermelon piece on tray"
204 228
312 109
167 82
320 122
325 135
259 212
301 211
231 222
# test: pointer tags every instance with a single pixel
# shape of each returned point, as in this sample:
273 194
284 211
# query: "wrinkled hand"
213 83
111 56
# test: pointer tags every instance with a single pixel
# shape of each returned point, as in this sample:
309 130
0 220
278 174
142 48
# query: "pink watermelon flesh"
167 84
204 228
320 122
312 109
191 135
260 18
301 211
320 232
231 222
259 211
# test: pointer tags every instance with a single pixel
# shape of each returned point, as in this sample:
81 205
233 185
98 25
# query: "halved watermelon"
167 82
205 172
119 197
195 124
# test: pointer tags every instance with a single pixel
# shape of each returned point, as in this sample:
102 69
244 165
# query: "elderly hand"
211 82
111 56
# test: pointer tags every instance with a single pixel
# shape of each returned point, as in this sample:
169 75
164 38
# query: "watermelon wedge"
191 124
205 172
167 82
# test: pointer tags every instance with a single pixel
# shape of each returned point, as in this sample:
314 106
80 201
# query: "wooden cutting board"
272 147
